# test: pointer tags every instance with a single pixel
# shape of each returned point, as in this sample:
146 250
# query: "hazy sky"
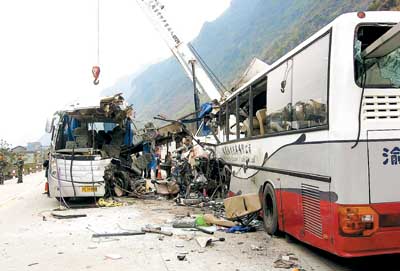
48 48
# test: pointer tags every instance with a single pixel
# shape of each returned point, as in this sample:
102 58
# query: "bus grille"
311 209
381 107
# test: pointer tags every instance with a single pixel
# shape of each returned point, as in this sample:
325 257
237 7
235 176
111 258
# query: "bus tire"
270 210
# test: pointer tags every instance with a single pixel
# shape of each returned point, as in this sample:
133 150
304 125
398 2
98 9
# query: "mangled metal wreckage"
88 145
98 151
201 176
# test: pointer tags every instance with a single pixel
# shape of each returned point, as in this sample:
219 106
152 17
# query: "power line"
209 71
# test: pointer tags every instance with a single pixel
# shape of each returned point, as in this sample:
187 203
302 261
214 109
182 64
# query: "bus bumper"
81 190
379 243
386 240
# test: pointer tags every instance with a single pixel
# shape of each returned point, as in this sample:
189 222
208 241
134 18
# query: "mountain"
247 29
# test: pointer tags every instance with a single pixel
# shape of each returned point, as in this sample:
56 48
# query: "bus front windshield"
78 134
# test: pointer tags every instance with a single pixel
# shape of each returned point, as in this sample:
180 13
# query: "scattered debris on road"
156 230
109 203
181 257
97 235
59 216
286 261
113 256
206 241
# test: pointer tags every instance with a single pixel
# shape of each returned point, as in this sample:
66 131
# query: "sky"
48 48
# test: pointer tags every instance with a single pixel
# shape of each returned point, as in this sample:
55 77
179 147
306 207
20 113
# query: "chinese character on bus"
393 156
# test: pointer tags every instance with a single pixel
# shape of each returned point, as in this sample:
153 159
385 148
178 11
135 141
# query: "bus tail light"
357 221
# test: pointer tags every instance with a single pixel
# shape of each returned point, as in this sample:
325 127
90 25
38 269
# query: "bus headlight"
53 168
357 221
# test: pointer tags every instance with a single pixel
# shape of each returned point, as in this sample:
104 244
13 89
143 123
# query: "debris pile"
287 261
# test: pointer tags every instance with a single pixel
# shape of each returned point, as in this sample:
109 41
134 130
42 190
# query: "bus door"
384 165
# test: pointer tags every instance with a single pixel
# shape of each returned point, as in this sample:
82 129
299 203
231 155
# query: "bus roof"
106 108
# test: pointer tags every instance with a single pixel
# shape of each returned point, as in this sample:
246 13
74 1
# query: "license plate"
89 189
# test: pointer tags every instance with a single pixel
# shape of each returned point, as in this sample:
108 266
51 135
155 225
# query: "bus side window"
279 98
310 85
259 101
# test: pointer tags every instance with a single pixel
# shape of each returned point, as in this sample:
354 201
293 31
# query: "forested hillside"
247 29
385 5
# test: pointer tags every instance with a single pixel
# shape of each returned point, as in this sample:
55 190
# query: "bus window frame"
227 124
354 63
265 76
237 117
251 124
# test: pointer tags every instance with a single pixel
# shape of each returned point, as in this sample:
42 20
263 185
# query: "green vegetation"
385 5
9 157
247 29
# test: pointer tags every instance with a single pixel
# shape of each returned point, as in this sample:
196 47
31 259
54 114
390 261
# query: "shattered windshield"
84 134
382 72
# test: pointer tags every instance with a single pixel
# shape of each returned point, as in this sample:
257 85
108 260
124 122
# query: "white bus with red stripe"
318 135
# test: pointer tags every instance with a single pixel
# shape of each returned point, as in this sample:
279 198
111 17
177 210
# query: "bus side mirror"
49 125
283 86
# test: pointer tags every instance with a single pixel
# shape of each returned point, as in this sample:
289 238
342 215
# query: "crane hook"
96 74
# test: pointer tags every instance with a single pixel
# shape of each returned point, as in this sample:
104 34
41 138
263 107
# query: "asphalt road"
31 239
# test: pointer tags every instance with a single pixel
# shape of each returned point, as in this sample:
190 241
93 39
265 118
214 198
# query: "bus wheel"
270 210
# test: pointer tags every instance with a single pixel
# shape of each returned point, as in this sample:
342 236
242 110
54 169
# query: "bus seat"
256 126
82 141
276 127
81 137
262 120
79 131
111 150
70 145
117 136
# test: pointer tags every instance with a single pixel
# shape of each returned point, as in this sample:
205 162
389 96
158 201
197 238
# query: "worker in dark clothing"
46 168
46 175
20 167
2 167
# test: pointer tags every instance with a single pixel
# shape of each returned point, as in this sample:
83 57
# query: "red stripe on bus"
291 221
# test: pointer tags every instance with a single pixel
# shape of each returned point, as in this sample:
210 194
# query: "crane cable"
96 69
213 77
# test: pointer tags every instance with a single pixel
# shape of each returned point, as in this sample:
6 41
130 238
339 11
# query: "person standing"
146 149
158 162
46 175
2 167
168 163
20 167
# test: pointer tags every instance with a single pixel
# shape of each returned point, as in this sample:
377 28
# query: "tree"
4 146
9 157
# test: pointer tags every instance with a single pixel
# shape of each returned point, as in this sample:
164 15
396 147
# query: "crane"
184 53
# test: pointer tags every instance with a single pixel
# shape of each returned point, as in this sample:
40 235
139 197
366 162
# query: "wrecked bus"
84 141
